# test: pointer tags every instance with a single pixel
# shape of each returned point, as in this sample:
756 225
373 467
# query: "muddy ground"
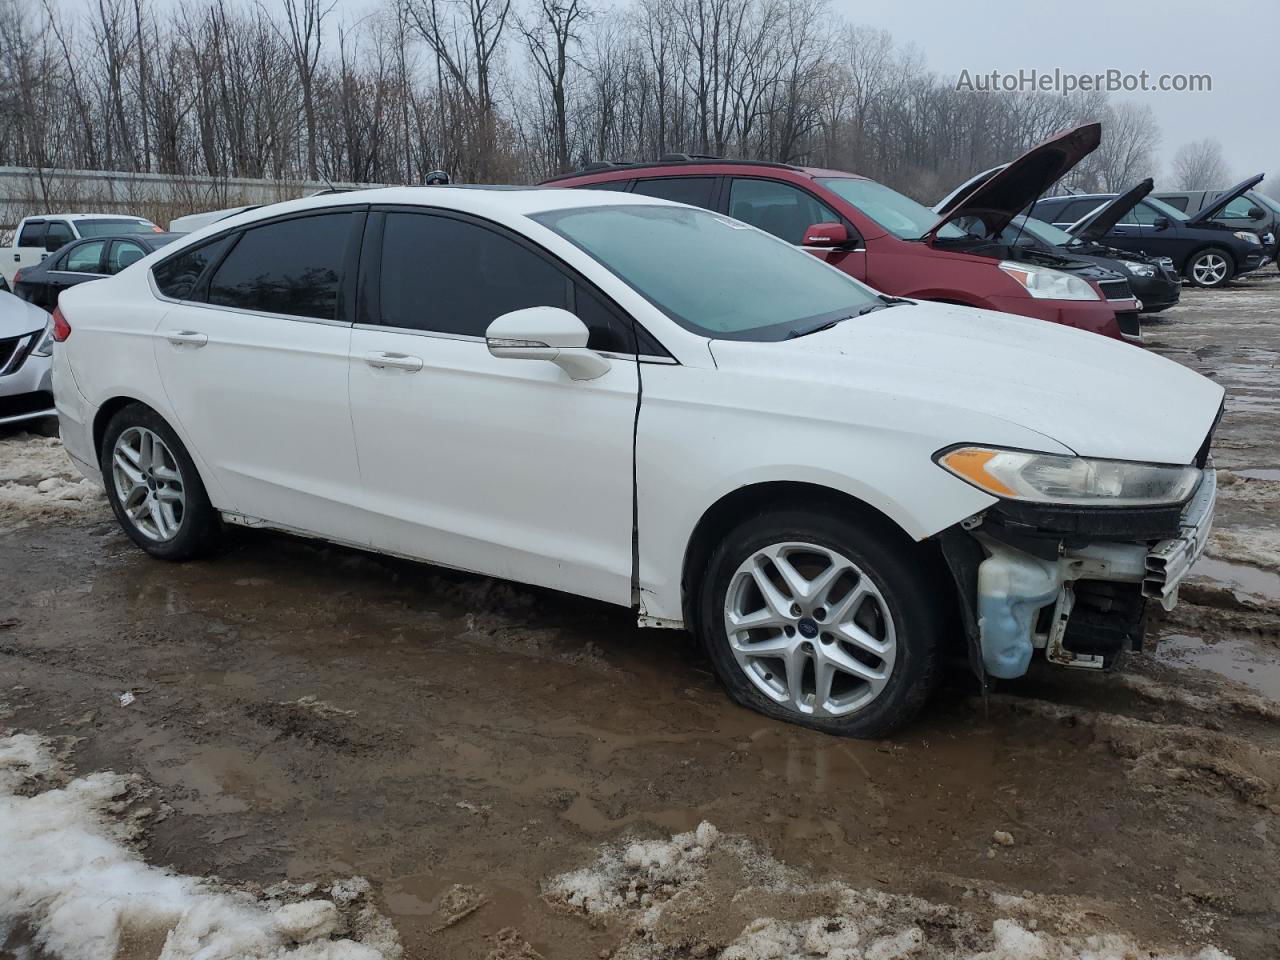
309 713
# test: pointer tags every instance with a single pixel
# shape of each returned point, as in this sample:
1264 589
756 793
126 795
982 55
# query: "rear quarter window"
178 276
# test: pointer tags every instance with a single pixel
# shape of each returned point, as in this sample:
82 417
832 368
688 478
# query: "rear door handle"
187 338
396 361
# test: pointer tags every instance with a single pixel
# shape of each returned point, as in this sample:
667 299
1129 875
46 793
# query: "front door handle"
187 338
396 361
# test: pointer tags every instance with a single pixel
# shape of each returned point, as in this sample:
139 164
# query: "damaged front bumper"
1071 582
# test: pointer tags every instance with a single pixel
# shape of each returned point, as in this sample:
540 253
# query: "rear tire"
854 653
154 488
1210 268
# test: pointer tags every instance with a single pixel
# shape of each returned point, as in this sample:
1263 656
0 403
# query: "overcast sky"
1237 42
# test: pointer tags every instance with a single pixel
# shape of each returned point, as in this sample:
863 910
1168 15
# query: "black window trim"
368 293
858 242
346 302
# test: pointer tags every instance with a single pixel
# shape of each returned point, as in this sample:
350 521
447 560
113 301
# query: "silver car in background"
26 349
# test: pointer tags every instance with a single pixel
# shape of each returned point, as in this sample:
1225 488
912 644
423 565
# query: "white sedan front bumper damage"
1016 587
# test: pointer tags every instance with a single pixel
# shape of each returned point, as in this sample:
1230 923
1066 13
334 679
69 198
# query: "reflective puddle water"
1243 661
1239 577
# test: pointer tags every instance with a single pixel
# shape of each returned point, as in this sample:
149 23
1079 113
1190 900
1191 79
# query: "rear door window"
86 258
1178 203
58 234
32 234
778 208
695 191
1077 210
291 267
123 253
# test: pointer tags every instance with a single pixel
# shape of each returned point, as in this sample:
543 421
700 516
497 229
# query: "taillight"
61 329
17 276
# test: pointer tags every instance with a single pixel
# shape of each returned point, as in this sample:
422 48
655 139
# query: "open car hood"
1220 202
996 200
1098 222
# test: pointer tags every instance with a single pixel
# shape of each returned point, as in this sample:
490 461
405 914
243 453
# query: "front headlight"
1139 269
1045 284
44 346
1248 237
1079 481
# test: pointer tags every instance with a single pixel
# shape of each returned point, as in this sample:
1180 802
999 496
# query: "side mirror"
1257 213
829 235
1161 223
546 333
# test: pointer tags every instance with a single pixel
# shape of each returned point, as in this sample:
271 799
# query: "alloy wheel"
1209 270
810 629
148 483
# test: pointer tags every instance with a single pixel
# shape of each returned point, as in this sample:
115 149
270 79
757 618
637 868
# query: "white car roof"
499 200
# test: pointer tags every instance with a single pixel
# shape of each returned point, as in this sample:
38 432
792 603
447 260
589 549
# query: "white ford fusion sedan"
658 407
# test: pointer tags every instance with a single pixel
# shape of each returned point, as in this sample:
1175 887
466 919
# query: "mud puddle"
1241 660
1243 580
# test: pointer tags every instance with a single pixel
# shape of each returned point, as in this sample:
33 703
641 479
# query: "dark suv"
1249 211
899 246
1205 252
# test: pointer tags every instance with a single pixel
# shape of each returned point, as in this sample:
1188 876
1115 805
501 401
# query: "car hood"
18 317
1219 203
1094 395
997 199
1098 222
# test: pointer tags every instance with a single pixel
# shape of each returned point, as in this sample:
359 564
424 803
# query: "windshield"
1173 213
898 214
109 228
713 275
1044 232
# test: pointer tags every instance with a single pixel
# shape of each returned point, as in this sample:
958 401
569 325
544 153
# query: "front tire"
821 621
1210 268
154 488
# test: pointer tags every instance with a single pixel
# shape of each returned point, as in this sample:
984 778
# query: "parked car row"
659 406
1206 249
956 255
37 237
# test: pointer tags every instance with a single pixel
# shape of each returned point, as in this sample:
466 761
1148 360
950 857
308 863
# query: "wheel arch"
746 501
108 410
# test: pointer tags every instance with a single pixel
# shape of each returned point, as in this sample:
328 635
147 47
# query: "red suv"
895 244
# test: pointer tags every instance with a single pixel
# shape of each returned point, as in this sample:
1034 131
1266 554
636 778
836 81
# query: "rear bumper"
1071 582
1096 316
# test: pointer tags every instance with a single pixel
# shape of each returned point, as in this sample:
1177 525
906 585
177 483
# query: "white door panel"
504 467
264 398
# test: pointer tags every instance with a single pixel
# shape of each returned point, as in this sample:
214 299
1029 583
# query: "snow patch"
38 481
68 876
706 895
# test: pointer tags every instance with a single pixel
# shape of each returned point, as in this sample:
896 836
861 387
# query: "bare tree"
1199 165
304 22
551 32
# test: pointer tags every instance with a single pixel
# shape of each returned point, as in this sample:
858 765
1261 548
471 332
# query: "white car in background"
656 406
37 237
26 349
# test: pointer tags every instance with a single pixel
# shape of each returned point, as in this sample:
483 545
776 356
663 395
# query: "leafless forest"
505 90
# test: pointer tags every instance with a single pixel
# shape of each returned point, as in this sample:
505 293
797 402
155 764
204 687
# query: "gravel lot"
507 767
